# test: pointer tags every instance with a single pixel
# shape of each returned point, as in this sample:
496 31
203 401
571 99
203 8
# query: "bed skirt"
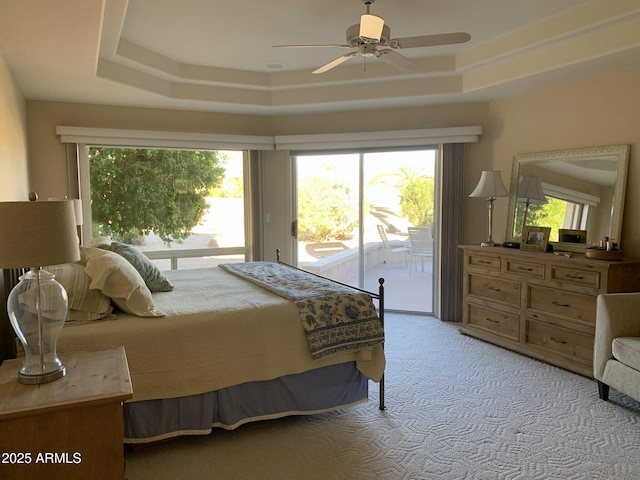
321 390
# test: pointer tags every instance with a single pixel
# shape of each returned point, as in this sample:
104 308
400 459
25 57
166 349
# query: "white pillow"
84 303
116 278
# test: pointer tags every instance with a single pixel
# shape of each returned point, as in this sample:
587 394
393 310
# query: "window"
183 208
566 208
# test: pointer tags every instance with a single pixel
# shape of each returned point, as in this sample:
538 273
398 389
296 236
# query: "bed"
225 346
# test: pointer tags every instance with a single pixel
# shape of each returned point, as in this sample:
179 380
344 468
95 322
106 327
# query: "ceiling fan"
372 33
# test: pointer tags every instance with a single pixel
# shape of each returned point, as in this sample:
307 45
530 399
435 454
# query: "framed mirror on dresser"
579 190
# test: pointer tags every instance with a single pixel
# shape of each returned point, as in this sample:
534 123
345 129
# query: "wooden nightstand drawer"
78 417
528 269
582 278
501 323
566 304
560 340
484 261
495 288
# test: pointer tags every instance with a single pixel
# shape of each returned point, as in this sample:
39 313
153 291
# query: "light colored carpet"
457 408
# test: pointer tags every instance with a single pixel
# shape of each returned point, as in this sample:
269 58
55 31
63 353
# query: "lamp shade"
371 27
530 190
77 208
490 185
34 234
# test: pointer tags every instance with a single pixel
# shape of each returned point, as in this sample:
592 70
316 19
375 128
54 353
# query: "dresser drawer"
500 323
570 305
494 288
578 346
484 261
573 276
527 269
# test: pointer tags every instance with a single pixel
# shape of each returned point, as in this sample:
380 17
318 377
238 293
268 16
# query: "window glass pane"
363 216
175 200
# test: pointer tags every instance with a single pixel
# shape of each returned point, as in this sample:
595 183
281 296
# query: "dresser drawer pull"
525 269
494 289
491 320
484 262
557 341
574 277
560 304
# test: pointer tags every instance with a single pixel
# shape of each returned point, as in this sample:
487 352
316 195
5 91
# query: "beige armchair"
616 352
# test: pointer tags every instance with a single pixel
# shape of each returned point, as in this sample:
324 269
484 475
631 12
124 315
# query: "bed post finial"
278 255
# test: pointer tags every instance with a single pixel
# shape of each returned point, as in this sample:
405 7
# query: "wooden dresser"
540 304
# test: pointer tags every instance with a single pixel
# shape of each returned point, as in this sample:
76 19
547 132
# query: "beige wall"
14 176
598 111
464 114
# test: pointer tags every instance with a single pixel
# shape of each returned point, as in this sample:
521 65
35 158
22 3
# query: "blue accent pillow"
152 276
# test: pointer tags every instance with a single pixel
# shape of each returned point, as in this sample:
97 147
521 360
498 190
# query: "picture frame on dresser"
535 238
567 235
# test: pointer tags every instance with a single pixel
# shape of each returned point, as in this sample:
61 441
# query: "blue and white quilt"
335 318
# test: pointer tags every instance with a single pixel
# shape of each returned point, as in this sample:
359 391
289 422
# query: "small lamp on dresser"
530 192
490 187
34 234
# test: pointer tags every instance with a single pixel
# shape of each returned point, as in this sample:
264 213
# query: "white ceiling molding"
591 31
164 54
397 138
609 40
158 139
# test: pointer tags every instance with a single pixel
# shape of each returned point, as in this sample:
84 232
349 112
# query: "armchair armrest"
617 315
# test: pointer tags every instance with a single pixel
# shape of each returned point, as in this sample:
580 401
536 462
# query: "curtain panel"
451 232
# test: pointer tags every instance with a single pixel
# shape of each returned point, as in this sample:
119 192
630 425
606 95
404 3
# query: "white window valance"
390 138
161 139
569 195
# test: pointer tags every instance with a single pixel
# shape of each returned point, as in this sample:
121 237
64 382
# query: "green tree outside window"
138 191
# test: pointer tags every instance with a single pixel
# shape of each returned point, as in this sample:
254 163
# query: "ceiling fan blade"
399 61
334 63
430 40
371 28
312 46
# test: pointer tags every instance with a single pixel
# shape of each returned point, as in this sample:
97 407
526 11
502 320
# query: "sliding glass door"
366 215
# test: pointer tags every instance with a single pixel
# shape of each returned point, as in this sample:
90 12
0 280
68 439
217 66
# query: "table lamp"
490 186
35 234
530 192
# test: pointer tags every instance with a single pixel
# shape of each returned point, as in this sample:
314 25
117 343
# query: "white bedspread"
219 331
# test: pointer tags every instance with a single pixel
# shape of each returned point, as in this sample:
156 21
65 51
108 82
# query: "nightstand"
67 429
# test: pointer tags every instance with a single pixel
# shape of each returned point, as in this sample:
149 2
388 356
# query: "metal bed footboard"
378 296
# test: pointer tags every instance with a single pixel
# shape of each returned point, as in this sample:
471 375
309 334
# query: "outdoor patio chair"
421 245
390 248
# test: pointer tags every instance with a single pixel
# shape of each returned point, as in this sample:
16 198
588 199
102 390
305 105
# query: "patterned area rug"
457 408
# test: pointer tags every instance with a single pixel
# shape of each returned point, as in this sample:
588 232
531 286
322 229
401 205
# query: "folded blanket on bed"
336 318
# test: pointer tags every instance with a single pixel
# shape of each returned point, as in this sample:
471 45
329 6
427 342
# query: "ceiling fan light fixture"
371 33
371 28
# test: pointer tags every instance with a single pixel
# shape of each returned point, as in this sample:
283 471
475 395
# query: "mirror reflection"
578 193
